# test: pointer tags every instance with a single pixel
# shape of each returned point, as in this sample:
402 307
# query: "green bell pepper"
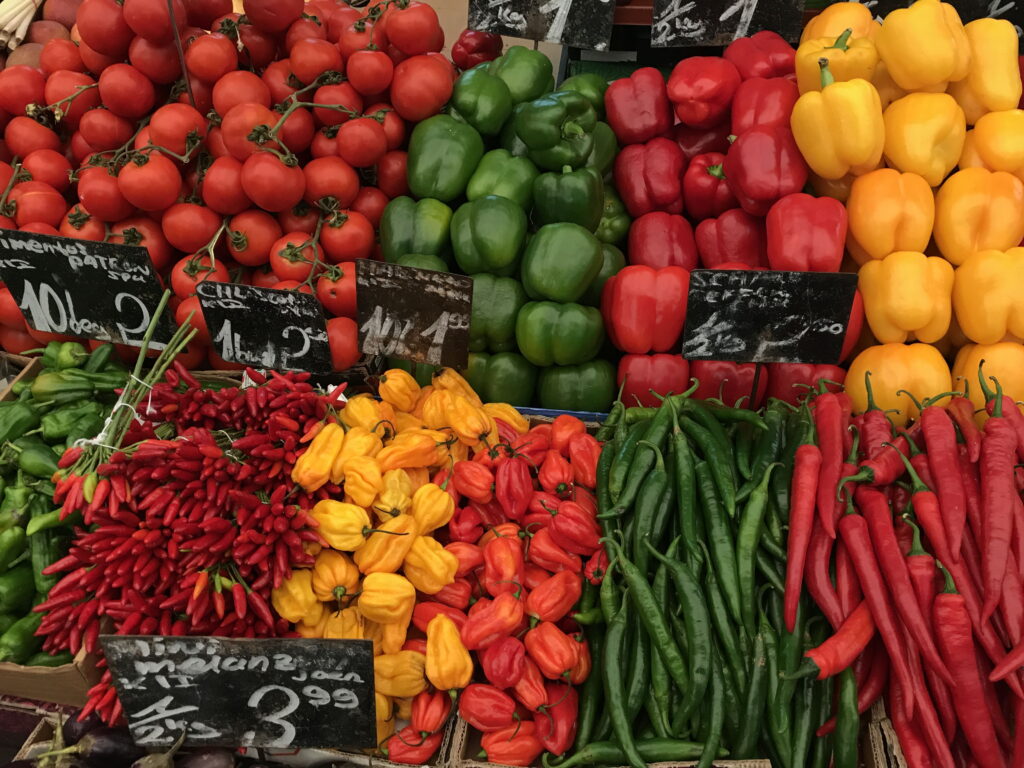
590 85
506 377
509 140
59 388
502 174
19 642
559 334
57 423
613 262
35 457
410 226
488 235
615 220
586 387
527 73
16 589
102 382
14 507
7 621
18 418
44 659
482 100
560 263
86 427
496 303
575 196
64 354
422 372
12 545
606 147
558 129
443 153
423 261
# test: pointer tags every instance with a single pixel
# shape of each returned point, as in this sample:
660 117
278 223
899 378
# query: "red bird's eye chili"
828 421
806 468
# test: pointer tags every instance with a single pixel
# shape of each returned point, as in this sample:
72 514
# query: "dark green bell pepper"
558 129
506 377
549 333
527 73
509 140
422 372
18 418
12 545
574 196
488 235
410 226
587 387
44 659
19 642
560 263
88 426
502 174
101 359
482 100
612 263
606 147
443 153
615 220
496 303
16 589
590 85
57 423
423 261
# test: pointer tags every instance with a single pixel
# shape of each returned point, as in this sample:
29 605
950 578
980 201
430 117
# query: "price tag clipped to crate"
576 23
413 314
279 693
83 288
719 22
752 316
265 327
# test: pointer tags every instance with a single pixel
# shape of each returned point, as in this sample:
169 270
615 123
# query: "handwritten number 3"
288 730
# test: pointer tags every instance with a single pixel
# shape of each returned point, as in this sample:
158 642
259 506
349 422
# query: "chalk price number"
315 696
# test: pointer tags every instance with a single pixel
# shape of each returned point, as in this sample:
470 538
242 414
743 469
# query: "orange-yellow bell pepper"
294 599
924 134
970 158
399 388
449 666
887 89
907 296
993 80
838 189
988 296
1004 361
915 368
359 441
924 45
334 576
386 598
978 210
849 58
888 211
313 469
836 18
400 674
387 546
999 141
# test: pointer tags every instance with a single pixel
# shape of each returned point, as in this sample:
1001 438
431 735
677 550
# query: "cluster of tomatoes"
267 162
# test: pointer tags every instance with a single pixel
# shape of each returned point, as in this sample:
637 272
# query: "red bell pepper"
597 567
762 166
529 691
486 707
429 711
574 529
806 233
475 47
495 620
854 327
409 747
705 193
473 480
728 381
645 309
545 552
456 594
701 89
555 475
697 141
662 239
639 374
557 730
789 382
513 486
584 452
504 661
503 565
735 236
516 745
424 612
563 428
554 598
649 177
637 106
763 54
553 651
763 102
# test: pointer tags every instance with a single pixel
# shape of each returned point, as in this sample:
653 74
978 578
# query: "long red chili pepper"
840 650
886 468
875 427
828 422
992 701
1011 604
817 578
972 489
847 586
944 462
806 467
961 409
915 751
926 716
926 509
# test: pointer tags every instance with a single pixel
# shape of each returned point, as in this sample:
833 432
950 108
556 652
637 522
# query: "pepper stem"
917 484
826 76
716 171
842 42
916 548
949 588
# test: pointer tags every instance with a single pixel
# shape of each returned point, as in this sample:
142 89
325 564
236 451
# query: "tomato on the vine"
149 181
421 86
297 130
104 130
250 236
100 194
58 54
369 71
371 202
81 225
263 276
362 142
152 19
391 173
343 96
17 340
278 78
192 270
330 177
37 203
189 227
343 339
211 56
24 135
360 34
394 126
299 218
413 29
313 56
76 90
102 27
294 257
336 289
272 15
271 184
346 236
125 91
10 315
157 61
306 27
175 126
222 187
240 122
202 13
143 231
49 166
324 144
190 305
239 87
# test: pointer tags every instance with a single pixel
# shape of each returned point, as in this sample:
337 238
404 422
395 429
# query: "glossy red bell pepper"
410 747
553 651
763 54
639 374
735 236
649 177
806 233
475 47
496 619
662 239
544 551
429 711
728 381
701 90
503 662
705 193
557 730
762 166
486 707
789 382
584 453
554 598
555 474
637 106
515 745
698 141
645 309
763 102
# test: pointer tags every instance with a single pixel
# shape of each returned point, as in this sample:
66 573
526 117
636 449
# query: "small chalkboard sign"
752 316
969 10
719 22
413 314
576 23
83 288
250 693
266 327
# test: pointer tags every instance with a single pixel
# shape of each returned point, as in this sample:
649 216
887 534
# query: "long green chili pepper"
638 682
723 556
724 630
660 685
821 756
767 450
778 737
747 542
649 498
615 693
722 412
717 460
808 703
745 745
769 570
637 413
743 436
650 750
603 493
643 458
686 489
624 457
716 714
799 429
591 692
656 714
608 596
733 708
846 754
607 428
702 415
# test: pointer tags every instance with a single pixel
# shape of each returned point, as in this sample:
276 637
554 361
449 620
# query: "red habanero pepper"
806 233
806 466
470 556
735 236
513 487
542 550
465 524
497 619
418 644
529 691
596 567
553 651
763 101
585 498
424 612
584 663
408 746
659 239
557 729
555 474
649 177
554 598
534 576
573 529
847 586
539 512
637 106
563 429
504 661
962 411
456 594
534 444
762 166
501 530
473 480
503 565
701 90
429 711
515 745
645 309
762 54
584 452
487 708
817 577
697 141
705 193
828 423
475 47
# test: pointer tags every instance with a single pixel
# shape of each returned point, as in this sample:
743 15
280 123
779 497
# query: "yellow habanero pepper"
907 295
359 441
924 46
915 368
435 408
432 506
313 623
978 210
999 141
418 477
839 129
343 526
848 58
386 597
313 469
403 708
888 211
429 566
387 547
469 422
924 134
400 389
988 295
294 599
993 80
425 392
395 497
411 449
334 576
362 479
449 666
1003 361
368 412
384 710
374 632
406 421
836 18
400 674
345 625
509 415
452 380
392 636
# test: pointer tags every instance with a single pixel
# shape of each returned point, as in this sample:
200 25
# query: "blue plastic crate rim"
581 415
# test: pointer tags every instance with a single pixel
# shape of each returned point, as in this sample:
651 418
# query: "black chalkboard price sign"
719 22
577 23
767 317
83 288
265 327
413 314
251 693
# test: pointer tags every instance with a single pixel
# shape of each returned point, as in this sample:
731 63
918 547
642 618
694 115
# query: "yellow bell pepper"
449 666
970 158
907 296
993 80
999 141
836 18
313 469
924 45
887 89
399 389
343 526
839 129
470 423
432 506
988 295
406 421
924 134
363 479
347 624
429 566
314 623
915 368
509 415
418 477
393 635
334 576
386 597
368 412
294 599
978 210
452 380
359 441
400 674
384 711
888 211
838 189
849 58
387 546
1003 361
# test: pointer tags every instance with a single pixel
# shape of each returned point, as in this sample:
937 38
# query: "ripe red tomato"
19 87
336 289
324 144
361 34
41 228
215 143
74 87
371 202
277 78
294 257
291 285
330 177
60 54
250 237
37 203
413 29
222 187
81 225
152 185
127 92
190 305
17 340
297 130
271 184
49 166
343 338
103 29
98 191
79 148
391 175
362 142
239 87
10 315
189 227
202 92
369 71
339 19
174 125
193 356
272 15
239 123
211 56
157 61
103 130
192 270
312 56
202 13
263 276
347 236
143 231
343 95
308 27
299 218
151 19
420 87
